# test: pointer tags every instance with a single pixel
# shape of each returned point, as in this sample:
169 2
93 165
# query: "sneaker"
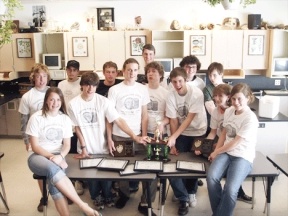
121 202
109 202
245 198
183 208
133 190
143 209
41 205
99 202
192 200
79 187
174 198
200 183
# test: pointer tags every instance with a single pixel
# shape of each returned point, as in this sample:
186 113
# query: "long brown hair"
58 91
245 89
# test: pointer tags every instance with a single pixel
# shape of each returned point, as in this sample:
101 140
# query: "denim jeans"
95 188
235 169
183 187
41 166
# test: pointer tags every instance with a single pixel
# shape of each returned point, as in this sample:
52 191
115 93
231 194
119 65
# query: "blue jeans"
183 187
95 188
41 166
235 169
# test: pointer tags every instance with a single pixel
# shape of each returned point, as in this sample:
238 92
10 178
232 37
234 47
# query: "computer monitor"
52 61
167 64
280 67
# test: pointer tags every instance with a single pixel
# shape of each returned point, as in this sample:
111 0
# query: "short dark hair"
73 63
149 47
191 59
129 61
89 78
58 91
215 66
178 71
110 64
157 66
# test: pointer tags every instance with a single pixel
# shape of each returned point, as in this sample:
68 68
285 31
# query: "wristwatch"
82 147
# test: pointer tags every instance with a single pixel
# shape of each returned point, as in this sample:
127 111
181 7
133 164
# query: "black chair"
3 196
45 192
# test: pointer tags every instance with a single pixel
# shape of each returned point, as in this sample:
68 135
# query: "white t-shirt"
32 101
193 102
70 89
216 121
198 82
244 125
156 107
90 117
50 130
128 101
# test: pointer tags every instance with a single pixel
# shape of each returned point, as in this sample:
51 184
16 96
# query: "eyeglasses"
190 67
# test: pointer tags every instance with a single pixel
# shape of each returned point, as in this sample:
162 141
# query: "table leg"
163 195
268 196
149 198
253 192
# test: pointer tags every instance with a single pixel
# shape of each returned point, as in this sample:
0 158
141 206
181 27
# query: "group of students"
127 110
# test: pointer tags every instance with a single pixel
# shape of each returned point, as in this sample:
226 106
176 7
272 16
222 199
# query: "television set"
52 60
167 64
280 67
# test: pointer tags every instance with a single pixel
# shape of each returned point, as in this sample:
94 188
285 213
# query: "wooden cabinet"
3 125
168 44
198 43
256 49
6 57
86 62
109 46
227 48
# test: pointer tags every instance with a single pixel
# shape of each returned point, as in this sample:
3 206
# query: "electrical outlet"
277 82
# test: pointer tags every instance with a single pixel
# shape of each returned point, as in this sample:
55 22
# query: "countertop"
254 106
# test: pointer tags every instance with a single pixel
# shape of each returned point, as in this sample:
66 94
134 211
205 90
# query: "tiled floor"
23 193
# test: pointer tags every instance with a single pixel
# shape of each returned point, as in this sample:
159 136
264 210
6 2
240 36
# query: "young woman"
50 130
234 152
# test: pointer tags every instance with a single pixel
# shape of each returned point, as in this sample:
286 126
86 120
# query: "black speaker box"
254 21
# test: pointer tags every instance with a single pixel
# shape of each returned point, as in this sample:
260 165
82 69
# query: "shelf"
234 74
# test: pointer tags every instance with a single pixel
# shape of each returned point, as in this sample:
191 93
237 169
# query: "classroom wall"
156 14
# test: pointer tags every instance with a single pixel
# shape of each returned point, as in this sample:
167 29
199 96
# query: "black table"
261 168
74 172
280 161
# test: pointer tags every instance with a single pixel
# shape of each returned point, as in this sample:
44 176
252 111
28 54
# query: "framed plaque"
206 146
123 149
170 168
191 166
89 162
113 164
151 166
129 170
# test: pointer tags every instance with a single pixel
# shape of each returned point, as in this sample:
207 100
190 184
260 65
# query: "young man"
31 102
90 113
110 72
156 119
148 54
71 88
130 99
185 108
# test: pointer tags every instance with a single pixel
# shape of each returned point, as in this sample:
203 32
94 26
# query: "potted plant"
6 19
227 3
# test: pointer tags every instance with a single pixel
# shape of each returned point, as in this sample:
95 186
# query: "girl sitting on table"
234 152
50 130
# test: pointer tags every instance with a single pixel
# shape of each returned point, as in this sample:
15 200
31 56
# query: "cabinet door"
227 48
13 118
198 43
23 64
86 62
6 58
255 49
109 46
3 126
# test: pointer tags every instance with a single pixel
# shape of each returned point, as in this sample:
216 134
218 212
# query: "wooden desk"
280 161
74 172
261 168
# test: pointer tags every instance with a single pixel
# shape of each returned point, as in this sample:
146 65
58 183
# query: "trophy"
157 148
